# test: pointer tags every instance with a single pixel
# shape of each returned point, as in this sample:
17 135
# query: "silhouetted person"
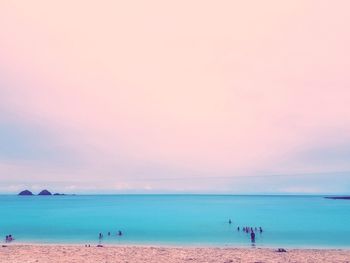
260 230
100 237
252 236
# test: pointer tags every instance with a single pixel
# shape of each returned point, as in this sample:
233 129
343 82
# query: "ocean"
177 220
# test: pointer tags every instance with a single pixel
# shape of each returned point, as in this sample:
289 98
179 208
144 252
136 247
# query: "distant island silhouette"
338 197
43 192
25 192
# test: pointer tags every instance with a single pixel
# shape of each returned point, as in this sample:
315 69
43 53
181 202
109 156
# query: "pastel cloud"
135 92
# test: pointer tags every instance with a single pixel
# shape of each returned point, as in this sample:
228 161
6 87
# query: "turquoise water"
289 221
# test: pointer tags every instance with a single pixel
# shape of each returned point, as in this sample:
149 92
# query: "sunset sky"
175 96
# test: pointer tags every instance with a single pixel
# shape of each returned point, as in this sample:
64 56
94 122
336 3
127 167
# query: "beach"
79 253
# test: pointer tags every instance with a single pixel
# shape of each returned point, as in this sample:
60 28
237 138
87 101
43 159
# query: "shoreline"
162 246
155 245
173 245
124 253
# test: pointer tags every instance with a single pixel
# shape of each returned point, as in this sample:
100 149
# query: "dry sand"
131 254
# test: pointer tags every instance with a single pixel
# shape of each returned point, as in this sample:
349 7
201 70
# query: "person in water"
229 221
252 237
238 229
260 230
100 237
120 233
109 233
9 238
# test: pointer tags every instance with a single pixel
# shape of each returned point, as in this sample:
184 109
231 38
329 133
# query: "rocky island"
45 192
25 192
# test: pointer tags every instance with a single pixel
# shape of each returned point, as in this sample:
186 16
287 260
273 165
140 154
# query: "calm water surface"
290 221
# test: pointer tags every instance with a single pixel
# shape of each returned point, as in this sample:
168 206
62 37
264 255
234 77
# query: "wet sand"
109 254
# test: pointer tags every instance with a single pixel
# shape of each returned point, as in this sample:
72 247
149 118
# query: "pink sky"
194 96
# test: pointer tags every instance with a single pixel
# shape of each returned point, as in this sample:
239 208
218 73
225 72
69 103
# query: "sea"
177 220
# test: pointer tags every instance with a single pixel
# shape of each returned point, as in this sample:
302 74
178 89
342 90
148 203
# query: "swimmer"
252 237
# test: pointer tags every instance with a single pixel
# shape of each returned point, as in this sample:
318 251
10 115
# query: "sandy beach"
109 254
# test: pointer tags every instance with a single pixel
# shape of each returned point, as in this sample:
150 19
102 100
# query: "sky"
236 97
